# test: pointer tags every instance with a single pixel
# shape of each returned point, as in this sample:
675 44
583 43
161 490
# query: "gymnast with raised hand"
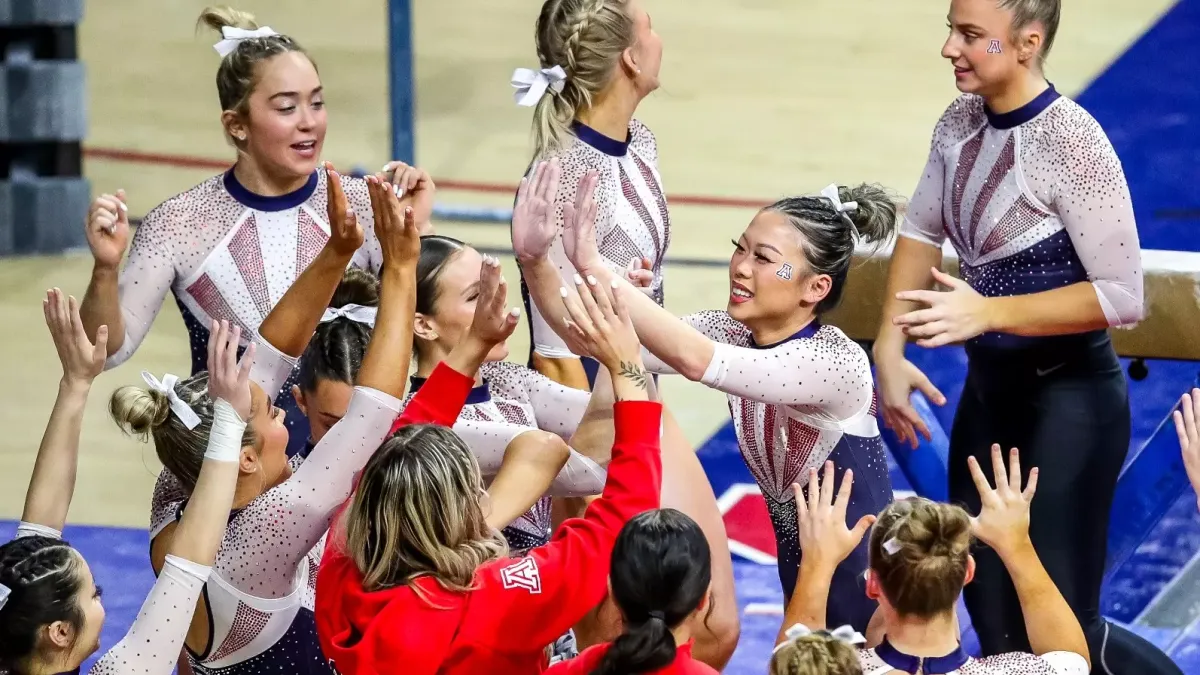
50 610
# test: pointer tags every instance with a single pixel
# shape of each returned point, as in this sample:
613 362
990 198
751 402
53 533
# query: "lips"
306 148
739 294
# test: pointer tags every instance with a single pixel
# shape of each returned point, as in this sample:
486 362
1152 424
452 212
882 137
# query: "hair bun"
357 287
139 411
875 218
222 16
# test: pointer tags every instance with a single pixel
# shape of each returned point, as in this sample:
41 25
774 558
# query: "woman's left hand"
579 227
415 189
956 315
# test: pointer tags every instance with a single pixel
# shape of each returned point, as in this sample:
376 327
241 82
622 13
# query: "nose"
308 119
950 49
738 267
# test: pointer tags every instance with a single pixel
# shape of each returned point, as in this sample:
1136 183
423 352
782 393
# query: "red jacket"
519 606
589 658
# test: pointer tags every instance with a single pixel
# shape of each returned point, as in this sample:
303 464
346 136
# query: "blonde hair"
815 654
924 572
238 74
416 512
1045 12
586 38
146 414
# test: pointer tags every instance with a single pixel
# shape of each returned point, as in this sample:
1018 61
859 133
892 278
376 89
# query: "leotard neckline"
605 144
1015 118
931 665
260 203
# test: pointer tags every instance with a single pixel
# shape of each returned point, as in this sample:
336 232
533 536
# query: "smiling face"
986 49
283 128
769 278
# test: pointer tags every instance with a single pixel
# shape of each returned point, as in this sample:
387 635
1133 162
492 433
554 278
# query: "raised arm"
306 501
1003 524
52 484
125 301
573 567
292 321
156 637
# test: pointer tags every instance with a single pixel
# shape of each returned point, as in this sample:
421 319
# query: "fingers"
861 527
999 472
1181 431
827 486
814 491
375 191
843 494
901 427
549 188
576 309
619 307
926 330
922 383
925 297
539 176
1189 414
1031 486
489 280
986 494
1014 470
940 340
801 507
597 302
945 279
214 338
100 350
916 422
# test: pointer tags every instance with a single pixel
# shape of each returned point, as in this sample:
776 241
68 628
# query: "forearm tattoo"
635 373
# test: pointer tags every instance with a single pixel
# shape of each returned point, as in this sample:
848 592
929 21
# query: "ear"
248 463
629 64
702 608
816 287
970 570
235 126
425 327
60 634
874 592
298 396
1030 42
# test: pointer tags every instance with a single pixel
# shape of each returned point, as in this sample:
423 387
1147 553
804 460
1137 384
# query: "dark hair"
336 350
925 572
43 578
829 236
436 251
661 569
238 73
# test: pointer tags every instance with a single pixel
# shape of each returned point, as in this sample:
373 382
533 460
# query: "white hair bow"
356 313
532 84
167 387
833 195
234 36
5 591
844 634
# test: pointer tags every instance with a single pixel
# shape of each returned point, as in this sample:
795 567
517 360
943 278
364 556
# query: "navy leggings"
1064 404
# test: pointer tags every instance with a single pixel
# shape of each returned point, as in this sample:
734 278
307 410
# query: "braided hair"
43 577
586 38
336 350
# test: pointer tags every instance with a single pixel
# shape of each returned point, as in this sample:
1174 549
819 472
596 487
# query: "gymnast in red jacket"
414 581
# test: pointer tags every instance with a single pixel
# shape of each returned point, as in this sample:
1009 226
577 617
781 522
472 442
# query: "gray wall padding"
40 12
46 101
43 215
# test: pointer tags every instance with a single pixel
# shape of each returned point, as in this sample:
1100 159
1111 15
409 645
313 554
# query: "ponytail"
643 648
660 576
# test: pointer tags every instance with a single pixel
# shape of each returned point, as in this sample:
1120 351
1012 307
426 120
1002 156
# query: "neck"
249 487
1027 87
922 637
426 364
682 633
260 182
768 332
611 112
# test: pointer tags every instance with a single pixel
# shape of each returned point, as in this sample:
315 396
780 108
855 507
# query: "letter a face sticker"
994 47
785 272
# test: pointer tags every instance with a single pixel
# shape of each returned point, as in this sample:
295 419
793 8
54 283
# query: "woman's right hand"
81 360
108 229
228 379
824 538
1187 426
897 378
599 324
396 225
493 321
1003 520
345 234
533 224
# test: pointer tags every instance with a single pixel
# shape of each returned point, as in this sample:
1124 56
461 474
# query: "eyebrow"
295 94
474 287
770 247
964 26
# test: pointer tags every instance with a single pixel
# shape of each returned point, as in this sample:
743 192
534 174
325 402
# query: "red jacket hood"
360 630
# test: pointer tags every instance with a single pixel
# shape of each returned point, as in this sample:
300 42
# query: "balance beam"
1171 329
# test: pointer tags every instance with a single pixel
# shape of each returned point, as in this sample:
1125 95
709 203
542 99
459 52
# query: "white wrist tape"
225 439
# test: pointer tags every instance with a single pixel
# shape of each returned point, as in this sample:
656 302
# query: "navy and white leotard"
226 253
796 404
